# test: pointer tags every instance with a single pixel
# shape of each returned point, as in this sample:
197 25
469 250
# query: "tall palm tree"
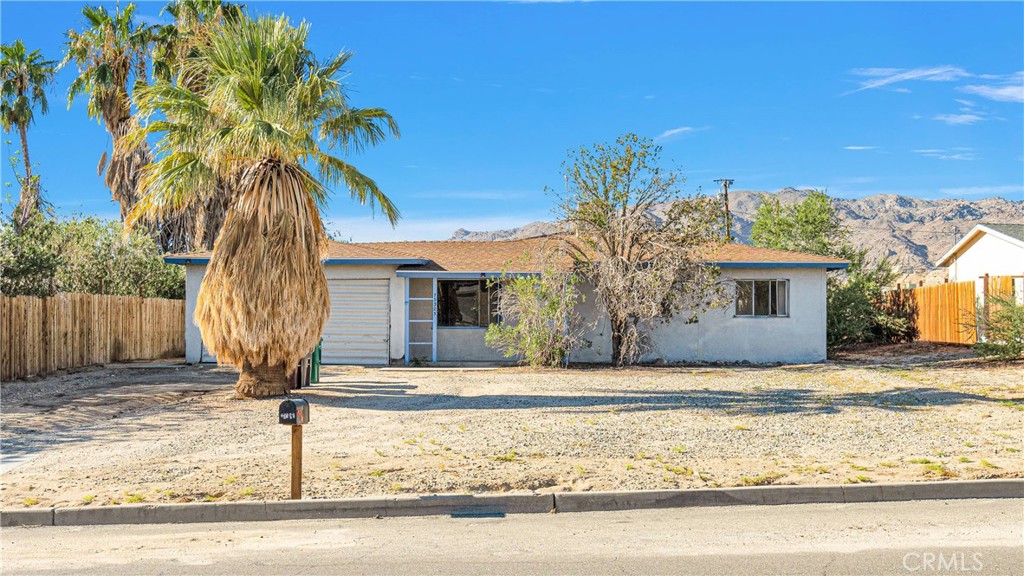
194 227
265 123
24 76
111 56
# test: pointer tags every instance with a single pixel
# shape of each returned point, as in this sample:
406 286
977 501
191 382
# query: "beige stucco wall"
193 340
465 344
720 336
990 255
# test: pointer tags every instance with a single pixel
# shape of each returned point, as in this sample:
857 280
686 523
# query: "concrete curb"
775 495
501 504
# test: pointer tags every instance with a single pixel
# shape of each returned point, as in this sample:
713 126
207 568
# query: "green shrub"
1001 322
538 318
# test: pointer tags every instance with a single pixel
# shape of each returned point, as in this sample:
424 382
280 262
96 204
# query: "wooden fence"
40 335
947 313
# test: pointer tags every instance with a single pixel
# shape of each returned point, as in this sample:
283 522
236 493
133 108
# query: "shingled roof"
516 256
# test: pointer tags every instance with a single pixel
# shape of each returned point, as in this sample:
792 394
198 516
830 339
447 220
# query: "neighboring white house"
993 249
399 301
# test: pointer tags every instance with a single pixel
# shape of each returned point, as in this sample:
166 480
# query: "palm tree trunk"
28 200
262 381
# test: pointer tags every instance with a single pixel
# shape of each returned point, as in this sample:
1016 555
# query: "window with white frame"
762 298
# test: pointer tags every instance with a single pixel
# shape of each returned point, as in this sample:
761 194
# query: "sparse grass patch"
919 461
741 427
887 464
760 479
231 479
630 466
859 479
965 460
134 498
510 457
987 464
940 470
31 501
88 498
679 449
248 491
1012 449
377 473
1015 404
860 467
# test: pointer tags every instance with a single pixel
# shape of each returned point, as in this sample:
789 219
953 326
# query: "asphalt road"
925 537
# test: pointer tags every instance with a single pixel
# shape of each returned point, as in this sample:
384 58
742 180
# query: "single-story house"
993 249
403 301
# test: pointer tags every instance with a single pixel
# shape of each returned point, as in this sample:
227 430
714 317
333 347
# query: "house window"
762 297
466 303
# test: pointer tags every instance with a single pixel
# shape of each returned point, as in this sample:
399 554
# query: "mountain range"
912 232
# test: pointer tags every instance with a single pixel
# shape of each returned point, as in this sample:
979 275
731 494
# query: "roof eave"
460 275
825 265
184 260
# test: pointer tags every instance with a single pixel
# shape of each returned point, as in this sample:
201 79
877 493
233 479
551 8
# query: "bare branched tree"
647 250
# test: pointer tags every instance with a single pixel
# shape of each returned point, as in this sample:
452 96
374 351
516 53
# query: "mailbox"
293 412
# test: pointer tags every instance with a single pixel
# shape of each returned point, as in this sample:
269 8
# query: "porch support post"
406 321
433 325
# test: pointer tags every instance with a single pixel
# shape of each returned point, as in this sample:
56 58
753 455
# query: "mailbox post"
295 413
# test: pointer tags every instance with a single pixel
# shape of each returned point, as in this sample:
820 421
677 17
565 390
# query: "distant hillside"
911 231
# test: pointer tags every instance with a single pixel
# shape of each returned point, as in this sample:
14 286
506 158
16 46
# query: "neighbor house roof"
1012 233
523 255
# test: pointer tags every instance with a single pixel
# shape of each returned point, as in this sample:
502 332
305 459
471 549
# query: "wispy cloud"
998 87
958 153
1007 93
984 190
880 77
675 132
859 147
958 119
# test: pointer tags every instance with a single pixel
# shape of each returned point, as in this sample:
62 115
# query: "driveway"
173 434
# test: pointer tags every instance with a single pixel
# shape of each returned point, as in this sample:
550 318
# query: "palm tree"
194 227
111 56
264 123
24 76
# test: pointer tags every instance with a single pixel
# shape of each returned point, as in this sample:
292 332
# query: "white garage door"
357 331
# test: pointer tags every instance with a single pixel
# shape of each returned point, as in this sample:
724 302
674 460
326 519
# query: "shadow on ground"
373 395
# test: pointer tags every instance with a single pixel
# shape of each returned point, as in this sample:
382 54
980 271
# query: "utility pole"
726 182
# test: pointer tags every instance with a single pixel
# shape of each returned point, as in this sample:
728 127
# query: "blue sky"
918 99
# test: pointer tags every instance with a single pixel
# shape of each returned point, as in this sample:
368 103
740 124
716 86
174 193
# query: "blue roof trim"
825 265
333 261
446 274
183 261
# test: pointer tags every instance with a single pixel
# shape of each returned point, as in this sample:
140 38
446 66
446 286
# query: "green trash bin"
314 370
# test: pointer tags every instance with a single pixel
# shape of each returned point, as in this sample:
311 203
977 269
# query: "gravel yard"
172 434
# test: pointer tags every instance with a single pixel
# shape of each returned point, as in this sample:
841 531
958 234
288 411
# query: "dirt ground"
171 433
